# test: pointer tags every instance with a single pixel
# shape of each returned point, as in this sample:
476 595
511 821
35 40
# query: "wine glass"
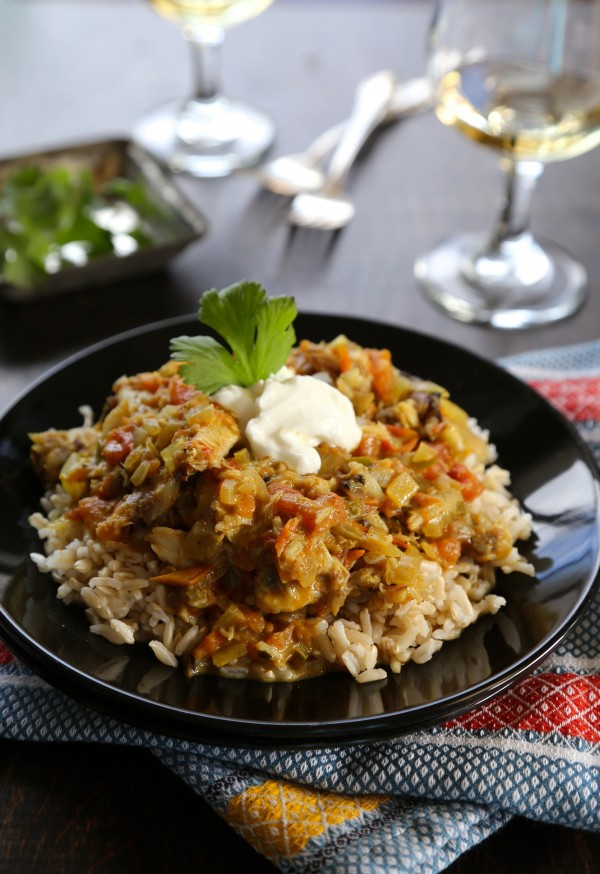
208 134
522 77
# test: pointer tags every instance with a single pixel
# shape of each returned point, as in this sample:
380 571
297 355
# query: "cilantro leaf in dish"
258 332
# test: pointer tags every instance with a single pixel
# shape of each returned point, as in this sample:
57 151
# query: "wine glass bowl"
522 78
209 133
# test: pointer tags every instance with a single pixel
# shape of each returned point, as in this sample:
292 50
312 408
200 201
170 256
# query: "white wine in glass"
207 134
223 13
521 77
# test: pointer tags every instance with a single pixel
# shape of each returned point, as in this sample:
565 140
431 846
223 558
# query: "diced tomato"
287 499
433 470
118 445
388 448
149 381
91 510
179 391
470 486
441 464
290 502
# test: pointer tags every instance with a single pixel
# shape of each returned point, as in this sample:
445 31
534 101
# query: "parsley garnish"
257 329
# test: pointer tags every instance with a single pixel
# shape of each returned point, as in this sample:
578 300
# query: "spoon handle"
370 107
324 144
410 97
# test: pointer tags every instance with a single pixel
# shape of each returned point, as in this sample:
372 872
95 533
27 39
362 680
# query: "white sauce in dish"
286 416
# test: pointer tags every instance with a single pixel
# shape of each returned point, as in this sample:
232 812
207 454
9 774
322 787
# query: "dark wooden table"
72 70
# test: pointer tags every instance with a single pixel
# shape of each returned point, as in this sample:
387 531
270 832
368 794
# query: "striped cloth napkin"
416 803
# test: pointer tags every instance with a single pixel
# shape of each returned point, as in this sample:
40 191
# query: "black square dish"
172 224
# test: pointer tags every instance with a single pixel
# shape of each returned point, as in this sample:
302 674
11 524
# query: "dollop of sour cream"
286 416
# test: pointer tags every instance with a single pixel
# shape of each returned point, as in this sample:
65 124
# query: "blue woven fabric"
411 805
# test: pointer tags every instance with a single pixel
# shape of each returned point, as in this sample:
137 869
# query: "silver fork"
292 174
330 209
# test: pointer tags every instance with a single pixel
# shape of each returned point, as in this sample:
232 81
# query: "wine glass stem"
520 182
206 44
511 258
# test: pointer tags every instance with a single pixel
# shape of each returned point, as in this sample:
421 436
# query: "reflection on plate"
172 222
553 475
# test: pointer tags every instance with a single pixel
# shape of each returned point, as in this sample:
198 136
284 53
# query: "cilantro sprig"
258 331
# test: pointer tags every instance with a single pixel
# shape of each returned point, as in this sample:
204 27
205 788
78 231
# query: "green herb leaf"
257 329
43 210
133 192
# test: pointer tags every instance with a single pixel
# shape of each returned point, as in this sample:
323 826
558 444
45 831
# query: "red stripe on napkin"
579 398
546 703
6 655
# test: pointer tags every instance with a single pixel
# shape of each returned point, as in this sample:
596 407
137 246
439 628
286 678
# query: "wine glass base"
443 276
206 140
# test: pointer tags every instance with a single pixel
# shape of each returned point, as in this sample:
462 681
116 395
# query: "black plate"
553 475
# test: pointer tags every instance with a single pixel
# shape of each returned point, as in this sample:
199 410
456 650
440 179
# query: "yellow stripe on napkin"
279 818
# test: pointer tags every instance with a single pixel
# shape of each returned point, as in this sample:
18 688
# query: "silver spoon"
330 209
293 174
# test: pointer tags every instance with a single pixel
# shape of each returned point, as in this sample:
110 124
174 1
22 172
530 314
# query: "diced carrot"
399 430
389 447
380 363
209 644
344 358
183 577
408 436
245 506
369 446
449 549
352 556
